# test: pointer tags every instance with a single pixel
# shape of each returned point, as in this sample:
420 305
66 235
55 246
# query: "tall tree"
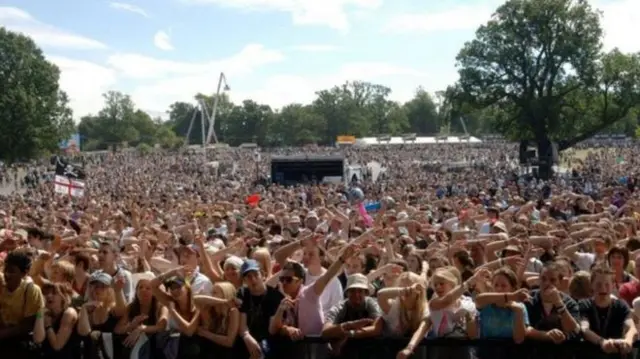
34 112
540 63
422 113
119 123
180 115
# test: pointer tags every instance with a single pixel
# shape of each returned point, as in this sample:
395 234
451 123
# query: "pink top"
310 318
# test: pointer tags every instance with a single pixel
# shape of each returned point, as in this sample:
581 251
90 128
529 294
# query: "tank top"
71 350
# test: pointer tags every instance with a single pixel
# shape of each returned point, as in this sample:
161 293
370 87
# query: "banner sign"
344 140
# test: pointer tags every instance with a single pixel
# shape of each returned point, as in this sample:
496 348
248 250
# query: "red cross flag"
71 187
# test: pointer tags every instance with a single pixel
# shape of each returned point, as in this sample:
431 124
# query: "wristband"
39 315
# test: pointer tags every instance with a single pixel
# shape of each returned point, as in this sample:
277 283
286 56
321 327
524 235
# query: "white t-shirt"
535 265
332 293
392 319
584 261
201 284
448 323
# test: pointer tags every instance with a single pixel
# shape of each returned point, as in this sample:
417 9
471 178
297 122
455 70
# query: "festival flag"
68 186
69 178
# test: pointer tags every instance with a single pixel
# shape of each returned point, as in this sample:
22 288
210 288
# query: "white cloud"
458 18
620 24
162 82
129 7
331 13
281 90
316 48
84 82
162 41
44 35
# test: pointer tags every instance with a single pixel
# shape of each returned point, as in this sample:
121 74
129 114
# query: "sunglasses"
286 280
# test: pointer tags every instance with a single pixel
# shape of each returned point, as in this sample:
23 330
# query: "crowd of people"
168 257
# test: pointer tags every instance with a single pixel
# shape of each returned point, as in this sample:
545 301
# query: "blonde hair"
110 296
67 269
410 319
218 322
580 285
262 256
450 274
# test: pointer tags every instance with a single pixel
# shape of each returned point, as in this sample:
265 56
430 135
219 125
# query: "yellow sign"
346 140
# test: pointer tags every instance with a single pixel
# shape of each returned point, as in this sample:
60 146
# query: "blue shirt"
496 322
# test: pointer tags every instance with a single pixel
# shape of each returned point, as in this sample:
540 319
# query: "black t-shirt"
606 322
540 320
259 309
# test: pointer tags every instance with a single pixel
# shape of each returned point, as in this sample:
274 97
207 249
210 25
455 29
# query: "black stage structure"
291 170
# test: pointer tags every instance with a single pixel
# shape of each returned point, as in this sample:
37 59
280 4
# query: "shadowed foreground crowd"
165 258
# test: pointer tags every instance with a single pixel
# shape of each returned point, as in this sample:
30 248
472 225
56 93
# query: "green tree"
296 125
422 113
34 112
119 123
248 123
539 65
180 115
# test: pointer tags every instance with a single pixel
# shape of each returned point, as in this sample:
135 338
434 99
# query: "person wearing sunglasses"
300 313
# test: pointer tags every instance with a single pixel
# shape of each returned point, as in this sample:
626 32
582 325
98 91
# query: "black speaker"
291 170
523 152
526 155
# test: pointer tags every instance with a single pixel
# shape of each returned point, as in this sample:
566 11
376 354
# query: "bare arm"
57 340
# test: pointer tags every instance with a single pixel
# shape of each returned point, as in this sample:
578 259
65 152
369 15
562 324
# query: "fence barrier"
315 347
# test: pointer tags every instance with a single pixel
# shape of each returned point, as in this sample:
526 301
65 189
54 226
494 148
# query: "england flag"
69 178
67 186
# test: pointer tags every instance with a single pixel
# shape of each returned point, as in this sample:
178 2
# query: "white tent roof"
419 140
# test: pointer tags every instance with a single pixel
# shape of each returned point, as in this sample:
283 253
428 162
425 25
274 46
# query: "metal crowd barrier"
315 347
452 348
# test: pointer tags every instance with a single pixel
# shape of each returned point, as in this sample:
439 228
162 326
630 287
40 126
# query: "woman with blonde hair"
405 305
100 314
452 312
219 323
64 272
405 309
55 324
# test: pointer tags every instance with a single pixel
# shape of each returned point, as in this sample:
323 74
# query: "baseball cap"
101 277
296 268
174 280
250 265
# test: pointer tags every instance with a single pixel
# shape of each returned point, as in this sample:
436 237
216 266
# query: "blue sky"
273 51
